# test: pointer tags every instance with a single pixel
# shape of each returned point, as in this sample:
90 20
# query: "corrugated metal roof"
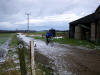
87 19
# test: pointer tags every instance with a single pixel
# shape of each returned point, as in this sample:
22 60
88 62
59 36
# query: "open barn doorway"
86 31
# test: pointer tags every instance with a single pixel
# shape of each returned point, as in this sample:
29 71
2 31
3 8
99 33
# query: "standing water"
4 50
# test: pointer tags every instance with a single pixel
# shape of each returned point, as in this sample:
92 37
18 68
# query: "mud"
40 58
82 62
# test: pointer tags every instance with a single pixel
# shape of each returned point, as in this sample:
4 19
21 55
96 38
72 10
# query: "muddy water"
69 60
4 50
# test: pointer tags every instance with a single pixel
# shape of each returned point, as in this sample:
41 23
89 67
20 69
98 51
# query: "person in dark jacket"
48 36
53 32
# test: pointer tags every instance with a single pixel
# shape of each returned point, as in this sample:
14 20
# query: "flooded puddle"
4 50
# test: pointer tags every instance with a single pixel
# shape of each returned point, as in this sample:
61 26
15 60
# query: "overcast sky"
45 14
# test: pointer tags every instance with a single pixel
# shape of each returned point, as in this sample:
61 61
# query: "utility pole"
28 15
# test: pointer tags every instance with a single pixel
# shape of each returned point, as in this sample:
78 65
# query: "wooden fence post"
21 54
32 58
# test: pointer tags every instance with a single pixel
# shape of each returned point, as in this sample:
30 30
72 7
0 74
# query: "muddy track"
69 60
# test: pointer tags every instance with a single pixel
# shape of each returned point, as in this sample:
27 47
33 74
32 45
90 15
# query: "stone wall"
78 32
98 32
93 27
71 31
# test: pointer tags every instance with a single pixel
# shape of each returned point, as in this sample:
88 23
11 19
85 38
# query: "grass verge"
72 42
14 41
43 70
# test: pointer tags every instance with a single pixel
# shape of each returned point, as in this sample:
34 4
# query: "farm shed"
86 28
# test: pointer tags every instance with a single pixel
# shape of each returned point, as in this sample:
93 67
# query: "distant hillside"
14 31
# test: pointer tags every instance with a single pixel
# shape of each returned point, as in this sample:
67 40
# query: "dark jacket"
49 35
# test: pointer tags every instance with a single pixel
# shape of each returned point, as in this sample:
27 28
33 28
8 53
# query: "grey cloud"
14 10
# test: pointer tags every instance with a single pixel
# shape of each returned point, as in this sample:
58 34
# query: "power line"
28 17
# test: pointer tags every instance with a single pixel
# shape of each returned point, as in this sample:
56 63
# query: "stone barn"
86 28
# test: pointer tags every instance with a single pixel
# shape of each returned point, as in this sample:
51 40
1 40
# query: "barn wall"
71 31
98 32
93 27
78 32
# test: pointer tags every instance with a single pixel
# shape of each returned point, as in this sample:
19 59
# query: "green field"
4 37
34 33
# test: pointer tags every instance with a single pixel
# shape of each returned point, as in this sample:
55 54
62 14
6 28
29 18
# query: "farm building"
86 28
